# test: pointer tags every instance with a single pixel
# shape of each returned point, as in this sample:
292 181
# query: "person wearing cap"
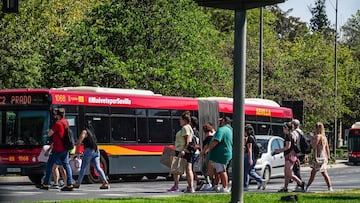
290 159
220 152
296 132
57 132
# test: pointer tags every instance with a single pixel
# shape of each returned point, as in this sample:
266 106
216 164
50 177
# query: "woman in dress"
321 155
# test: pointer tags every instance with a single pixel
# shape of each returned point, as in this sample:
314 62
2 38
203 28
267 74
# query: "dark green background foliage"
178 48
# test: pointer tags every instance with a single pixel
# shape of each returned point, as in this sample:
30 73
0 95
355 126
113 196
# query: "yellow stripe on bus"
117 150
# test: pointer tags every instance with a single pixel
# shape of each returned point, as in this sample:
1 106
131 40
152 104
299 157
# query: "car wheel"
267 174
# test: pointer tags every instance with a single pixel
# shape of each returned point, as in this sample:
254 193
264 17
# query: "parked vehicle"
270 165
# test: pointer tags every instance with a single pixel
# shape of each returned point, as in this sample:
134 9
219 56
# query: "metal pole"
335 82
261 71
237 195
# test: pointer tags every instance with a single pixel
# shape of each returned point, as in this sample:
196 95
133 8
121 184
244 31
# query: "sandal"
105 186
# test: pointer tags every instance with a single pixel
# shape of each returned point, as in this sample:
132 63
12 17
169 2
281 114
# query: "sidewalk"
339 163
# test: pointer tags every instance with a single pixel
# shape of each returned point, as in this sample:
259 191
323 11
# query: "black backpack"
68 140
256 148
302 144
195 142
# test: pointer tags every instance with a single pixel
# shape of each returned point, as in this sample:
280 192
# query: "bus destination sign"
23 99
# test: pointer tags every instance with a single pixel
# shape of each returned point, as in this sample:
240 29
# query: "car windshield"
262 143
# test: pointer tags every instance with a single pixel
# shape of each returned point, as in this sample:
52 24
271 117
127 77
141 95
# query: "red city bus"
132 126
354 143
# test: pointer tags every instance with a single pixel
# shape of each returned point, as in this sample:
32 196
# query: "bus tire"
93 176
151 177
36 179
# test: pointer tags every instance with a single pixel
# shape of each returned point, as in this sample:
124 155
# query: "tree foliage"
178 48
319 21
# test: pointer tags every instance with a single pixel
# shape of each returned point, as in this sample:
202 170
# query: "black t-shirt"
250 139
207 140
288 138
90 140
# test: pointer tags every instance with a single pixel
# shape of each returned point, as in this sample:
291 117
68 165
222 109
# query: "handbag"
178 165
165 158
42 157
75 164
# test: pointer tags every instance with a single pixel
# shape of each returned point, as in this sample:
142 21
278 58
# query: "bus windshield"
354 140
24 127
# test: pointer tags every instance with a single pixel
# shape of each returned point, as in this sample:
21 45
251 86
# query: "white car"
270 165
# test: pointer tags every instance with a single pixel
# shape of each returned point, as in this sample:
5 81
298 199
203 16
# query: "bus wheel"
94 176
36 179
151 177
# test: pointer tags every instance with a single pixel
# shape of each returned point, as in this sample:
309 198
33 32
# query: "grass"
348 196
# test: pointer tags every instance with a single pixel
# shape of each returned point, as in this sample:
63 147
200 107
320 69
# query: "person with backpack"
250 160
196 145
296 133
290 159
91 154
58 152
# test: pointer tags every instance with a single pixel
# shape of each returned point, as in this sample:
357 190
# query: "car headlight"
259 162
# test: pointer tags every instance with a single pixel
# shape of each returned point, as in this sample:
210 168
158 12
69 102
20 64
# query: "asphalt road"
19 189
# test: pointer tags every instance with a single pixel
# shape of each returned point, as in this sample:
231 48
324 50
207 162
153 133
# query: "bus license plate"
13 170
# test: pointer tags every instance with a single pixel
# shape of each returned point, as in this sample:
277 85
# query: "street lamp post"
240 7
335 81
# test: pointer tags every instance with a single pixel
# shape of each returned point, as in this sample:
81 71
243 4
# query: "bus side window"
101 127
123 129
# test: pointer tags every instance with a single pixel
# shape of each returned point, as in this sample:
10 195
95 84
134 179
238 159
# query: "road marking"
20 193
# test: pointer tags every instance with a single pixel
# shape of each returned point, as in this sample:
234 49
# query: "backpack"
68 140
256 148
302 144
195 142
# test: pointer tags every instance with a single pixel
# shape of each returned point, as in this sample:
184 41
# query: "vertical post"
237 195
261 71
335 82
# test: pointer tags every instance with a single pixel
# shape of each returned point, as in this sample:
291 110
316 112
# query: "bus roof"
254 101
101 96
356 125
106 90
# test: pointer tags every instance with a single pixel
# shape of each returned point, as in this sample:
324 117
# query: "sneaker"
77 185
199 185
303 187
330 189
189 190
224 190
246 189
44 187
297 188
283 190
174 189
54 186
307 189
262 185
217 188
105 186
68 188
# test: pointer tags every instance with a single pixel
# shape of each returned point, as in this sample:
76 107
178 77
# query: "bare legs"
325 175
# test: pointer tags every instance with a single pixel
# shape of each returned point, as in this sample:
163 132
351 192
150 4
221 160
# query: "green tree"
163 46
319 21
288 27
351 34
